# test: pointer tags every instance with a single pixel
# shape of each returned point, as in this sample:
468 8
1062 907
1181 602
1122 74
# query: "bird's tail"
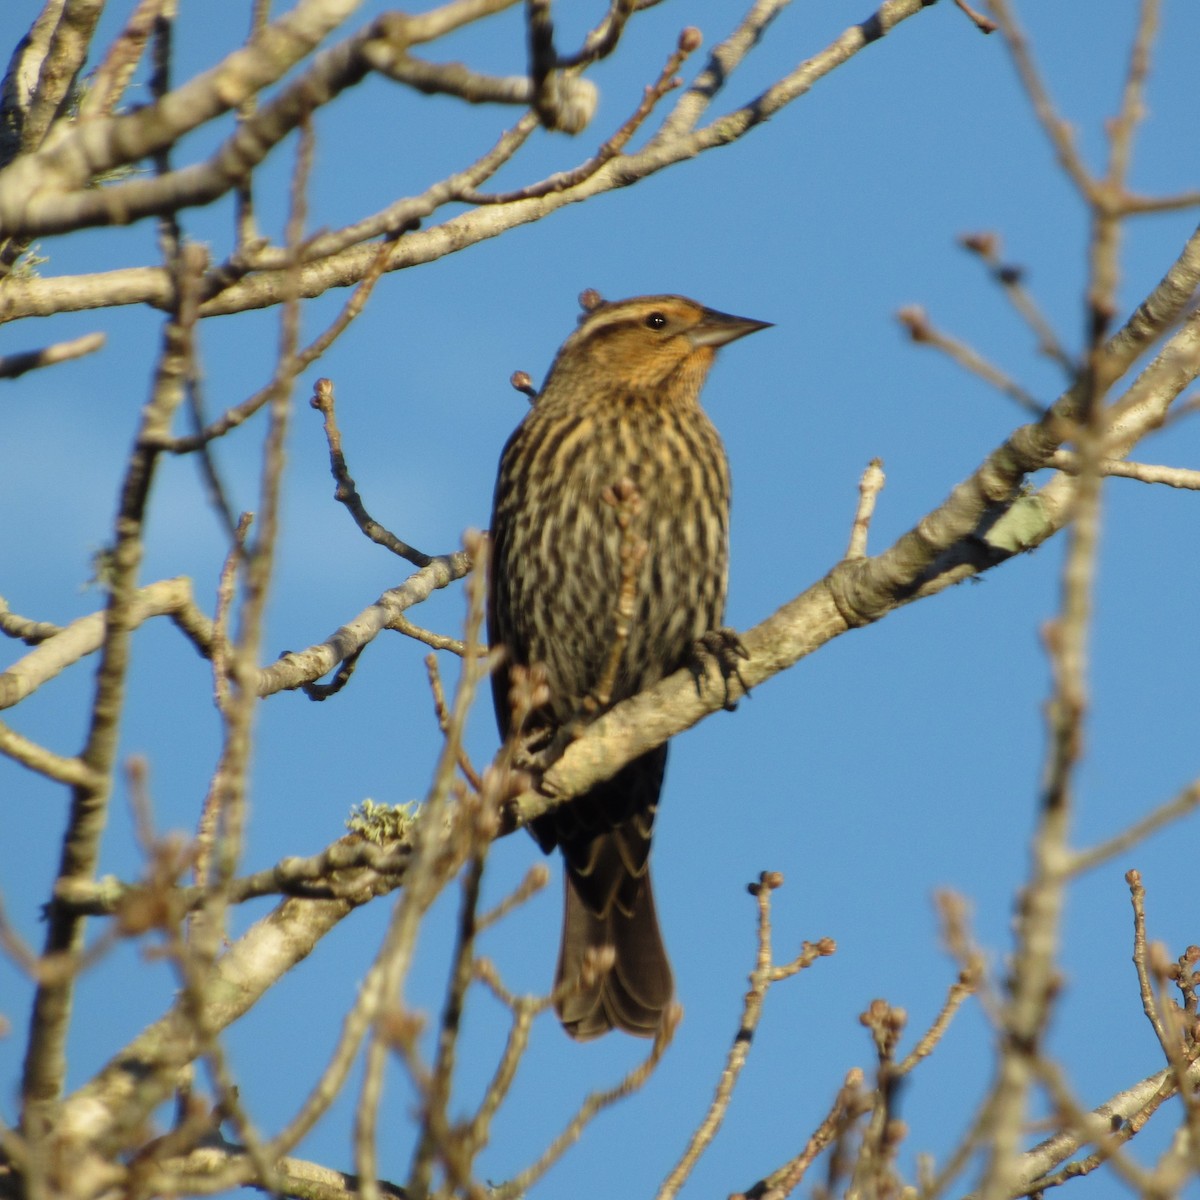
632 993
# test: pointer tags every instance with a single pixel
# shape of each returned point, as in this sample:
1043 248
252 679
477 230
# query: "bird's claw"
726 648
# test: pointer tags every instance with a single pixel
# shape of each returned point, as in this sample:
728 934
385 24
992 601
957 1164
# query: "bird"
617 425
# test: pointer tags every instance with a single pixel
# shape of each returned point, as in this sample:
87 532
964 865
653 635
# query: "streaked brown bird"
621 402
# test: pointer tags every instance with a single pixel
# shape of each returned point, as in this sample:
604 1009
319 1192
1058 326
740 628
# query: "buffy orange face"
657 347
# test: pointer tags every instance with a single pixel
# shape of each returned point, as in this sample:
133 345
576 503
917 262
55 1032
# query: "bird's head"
653 347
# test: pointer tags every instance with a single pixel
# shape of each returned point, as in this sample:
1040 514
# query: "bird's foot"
544 747
726 648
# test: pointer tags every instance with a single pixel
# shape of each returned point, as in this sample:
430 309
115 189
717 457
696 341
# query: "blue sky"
899 760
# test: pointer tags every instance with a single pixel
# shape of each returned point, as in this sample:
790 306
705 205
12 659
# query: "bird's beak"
718 328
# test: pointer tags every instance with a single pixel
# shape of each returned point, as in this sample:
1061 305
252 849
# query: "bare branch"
45 1063
1057 131
143 1074
12 365
72 771
1137 895
1179 806
982 23
689 40
67 645
1132 1106
100 145
445 718
350 869
438 641
964 986
1122 128
39 87
294 669
111 77
1176 477
24 629
346 492
675 142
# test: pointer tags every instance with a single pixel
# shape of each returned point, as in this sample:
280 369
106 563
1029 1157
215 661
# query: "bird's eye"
656 321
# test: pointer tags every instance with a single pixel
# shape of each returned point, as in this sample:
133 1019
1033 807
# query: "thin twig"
109 80
725 59
982 23
921 331
535 880
1141 962
206 826
25 629
395 222
1056 129
1012 279
346 492
847 1107
592 1106
604 39
689 41
48 970
225 594
1176 477
765 973
1128 1111
12 365
436 641
72 771
297 667
244 227
239 413
323 691
874 1170
523 1009
960 944
967 984
869 487
435 1118
1123 126
55 651
206 930
1135 206
442 712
